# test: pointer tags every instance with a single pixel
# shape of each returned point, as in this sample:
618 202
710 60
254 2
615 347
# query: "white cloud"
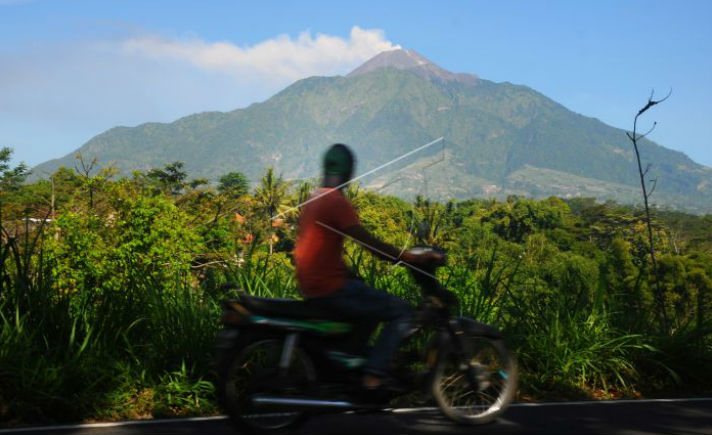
55 96
277 59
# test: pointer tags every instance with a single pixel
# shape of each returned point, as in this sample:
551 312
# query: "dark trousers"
366 307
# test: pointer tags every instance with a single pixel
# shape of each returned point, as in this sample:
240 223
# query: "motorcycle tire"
489 364
252 367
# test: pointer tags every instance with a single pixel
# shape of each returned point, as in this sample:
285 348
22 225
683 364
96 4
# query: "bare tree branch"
654 181
652 102
85 173
641 136
649 131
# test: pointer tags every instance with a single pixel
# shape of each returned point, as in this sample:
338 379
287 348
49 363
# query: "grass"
575 351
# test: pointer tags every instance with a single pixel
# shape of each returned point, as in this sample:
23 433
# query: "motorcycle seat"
291 308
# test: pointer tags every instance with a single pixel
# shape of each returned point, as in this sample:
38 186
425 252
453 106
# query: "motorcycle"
279 361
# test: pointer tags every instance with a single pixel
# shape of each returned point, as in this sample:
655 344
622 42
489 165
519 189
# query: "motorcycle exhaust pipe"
300 402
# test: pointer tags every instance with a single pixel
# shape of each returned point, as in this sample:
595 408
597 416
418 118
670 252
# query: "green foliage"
270 198
180 394
233 184
10 178
109 309
171 178
573 349
516 218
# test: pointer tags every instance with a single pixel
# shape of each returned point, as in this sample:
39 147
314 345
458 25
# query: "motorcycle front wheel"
476 385
254 369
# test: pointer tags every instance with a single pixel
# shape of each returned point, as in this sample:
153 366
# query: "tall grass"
685 357
264 275
572 351
71 355
50 351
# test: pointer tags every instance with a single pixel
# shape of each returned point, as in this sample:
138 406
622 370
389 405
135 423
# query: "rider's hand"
422 258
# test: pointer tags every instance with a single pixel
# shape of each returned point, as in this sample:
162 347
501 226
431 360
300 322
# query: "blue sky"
72 69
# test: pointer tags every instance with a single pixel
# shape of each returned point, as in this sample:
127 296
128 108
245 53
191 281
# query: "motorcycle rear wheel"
493 370
254 369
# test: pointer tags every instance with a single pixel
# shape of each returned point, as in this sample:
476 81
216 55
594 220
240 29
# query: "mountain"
499 139
409 60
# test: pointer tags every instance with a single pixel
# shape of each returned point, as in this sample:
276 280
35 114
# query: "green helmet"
339 160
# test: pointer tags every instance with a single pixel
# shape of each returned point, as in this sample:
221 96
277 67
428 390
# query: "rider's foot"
374 390
383 384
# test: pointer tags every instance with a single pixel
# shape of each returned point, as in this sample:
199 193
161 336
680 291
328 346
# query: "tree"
635 137
233 184
517 217
197 182
171 178
84 170
269 196
433 220
303 192
10 178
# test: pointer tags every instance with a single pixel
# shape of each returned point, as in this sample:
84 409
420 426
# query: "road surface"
678 416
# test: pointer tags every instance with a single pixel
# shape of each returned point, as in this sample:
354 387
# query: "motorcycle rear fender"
474 327
234 313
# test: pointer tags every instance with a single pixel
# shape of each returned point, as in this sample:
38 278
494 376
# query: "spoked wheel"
477 386
255 370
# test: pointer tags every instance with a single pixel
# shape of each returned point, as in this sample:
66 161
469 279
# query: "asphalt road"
692 416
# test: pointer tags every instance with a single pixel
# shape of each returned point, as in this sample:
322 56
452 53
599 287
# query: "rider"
326 282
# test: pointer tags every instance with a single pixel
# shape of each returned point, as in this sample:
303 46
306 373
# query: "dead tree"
634 137
84 170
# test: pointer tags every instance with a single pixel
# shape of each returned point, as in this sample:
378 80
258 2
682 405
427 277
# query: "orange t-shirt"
320 267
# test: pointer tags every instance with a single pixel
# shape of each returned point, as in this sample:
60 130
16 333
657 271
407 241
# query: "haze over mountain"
500 139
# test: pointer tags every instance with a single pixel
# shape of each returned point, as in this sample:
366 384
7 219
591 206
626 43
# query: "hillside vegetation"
110 287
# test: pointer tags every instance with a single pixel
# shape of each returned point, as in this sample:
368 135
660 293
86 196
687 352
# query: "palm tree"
302 192
270 196
434 220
